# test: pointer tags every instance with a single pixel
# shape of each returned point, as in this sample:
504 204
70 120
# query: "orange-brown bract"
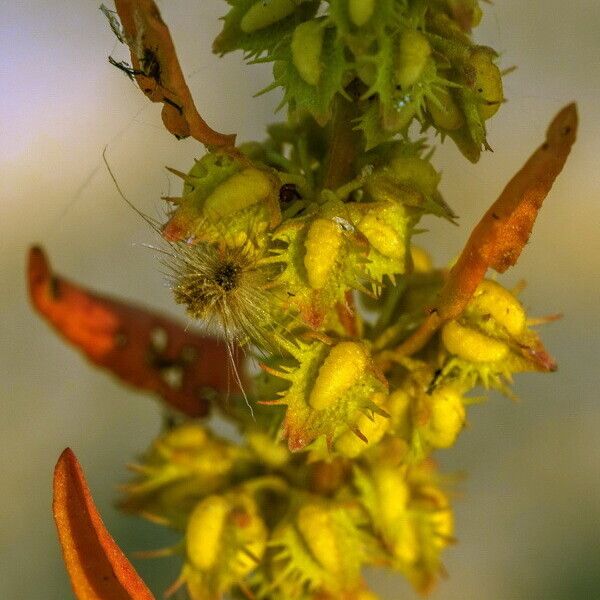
142 348
97 567
498 239
159 75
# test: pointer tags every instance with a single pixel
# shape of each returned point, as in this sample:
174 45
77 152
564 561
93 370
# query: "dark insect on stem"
289 192
150 65
124 67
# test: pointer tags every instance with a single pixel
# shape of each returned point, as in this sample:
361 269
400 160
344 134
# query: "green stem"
344 145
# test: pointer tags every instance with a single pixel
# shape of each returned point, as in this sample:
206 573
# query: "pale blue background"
528 518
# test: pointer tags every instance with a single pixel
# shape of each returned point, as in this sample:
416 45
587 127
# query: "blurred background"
528 515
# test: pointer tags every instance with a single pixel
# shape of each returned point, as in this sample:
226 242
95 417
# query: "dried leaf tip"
97 567
159 75
503 231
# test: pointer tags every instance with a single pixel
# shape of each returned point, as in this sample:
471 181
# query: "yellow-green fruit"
393 495
443 524
188 436
318 530
406 544
348 444
411 58
343 367
240 191
422 262
384 238
307 44
491 298
487 82
477 15
441 519
398 405
267 449
323 242
446 419
416 172
262 14
361 11
204 532
472 345
444 112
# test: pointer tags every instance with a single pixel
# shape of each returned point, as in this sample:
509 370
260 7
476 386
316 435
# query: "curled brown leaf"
158 73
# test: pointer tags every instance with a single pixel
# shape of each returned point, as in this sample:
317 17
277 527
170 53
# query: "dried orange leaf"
158 74
97 567
142 348
499 238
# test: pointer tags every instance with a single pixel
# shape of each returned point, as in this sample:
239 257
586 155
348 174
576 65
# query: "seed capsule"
407 545
393 495
446 420
411 58
240 191
416 172
323 243
204 532
384 238
445 113
307 44
373 429
315 524
263 14
472 345
343 367
361 11
487 83
491 298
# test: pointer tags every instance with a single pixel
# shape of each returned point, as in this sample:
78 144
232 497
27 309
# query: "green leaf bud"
487 82
263 14
361 11
444 111
307 45
412 54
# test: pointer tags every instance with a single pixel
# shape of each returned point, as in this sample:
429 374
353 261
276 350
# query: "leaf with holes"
142 348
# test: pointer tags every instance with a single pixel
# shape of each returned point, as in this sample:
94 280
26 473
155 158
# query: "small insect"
148 62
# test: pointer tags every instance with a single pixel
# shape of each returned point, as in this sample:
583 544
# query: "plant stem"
344 144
